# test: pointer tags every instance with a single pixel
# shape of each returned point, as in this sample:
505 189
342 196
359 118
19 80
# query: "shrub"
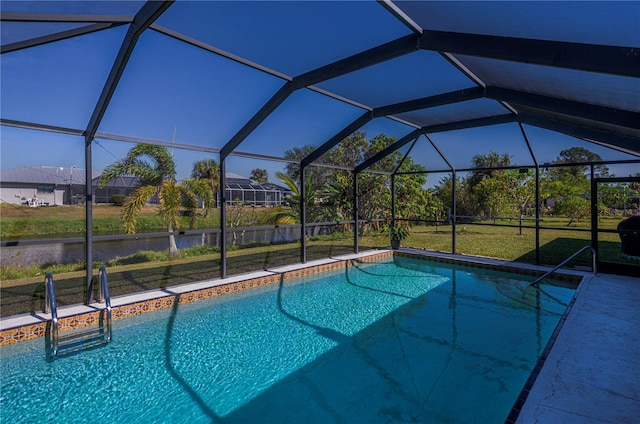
118 199
138 258
198 251
399 232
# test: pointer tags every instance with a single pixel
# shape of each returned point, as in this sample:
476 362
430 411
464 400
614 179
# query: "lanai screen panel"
595 22
101 8
588 87
379 127
387 127
395 160
425 155
454 112
172 91
574 120
460 146
18 147
548 144
408 77
305 117
58 83
288 37
13 32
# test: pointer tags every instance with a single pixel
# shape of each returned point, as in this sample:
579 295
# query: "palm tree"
154 168
315 211
259 175
490 160
208 172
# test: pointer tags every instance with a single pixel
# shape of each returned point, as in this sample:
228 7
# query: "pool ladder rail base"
594 268
76 340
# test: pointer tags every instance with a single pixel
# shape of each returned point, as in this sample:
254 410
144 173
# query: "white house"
43 185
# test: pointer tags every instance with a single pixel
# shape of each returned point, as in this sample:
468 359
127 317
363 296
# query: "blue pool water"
372 343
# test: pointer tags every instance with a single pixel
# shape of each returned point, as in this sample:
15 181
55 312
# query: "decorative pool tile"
570 278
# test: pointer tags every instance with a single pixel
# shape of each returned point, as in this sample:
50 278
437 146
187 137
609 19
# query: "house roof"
45 175
238 182
65 176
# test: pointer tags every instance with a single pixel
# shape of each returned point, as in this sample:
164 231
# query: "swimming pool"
400 341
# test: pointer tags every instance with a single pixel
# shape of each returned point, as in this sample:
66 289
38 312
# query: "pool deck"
592 373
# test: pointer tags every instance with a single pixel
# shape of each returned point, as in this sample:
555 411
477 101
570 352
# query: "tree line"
565 188
488 191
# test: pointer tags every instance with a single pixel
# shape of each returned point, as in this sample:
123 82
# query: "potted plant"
397 233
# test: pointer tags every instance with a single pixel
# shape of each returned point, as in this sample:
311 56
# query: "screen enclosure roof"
259 78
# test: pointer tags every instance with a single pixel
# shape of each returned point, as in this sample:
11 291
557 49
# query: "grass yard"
69 221
505 242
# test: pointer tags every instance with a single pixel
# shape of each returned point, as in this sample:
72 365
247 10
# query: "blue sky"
171 90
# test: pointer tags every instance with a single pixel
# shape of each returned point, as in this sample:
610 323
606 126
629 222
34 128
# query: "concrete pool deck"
592 372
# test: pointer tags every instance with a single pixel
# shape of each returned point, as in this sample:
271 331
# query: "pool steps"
78 340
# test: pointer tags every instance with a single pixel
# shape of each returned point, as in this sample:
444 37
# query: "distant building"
239 190
242 190
48 185
43 185
120 185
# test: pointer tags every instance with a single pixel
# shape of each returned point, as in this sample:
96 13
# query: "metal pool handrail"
104 297
50 307
77 340
593 258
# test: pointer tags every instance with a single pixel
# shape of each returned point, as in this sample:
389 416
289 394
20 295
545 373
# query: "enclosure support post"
223 217
393 200
453 210
88 208
537 214
537 195
594 211
452 218
355 212
303 216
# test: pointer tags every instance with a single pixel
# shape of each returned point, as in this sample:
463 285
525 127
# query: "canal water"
50 251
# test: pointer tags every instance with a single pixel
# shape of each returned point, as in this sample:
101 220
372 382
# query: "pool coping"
23 327
514 414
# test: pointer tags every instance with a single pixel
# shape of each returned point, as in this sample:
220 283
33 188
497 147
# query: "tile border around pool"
26 327
495 265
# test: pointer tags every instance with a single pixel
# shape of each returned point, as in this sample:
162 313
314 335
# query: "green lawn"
69 221
556 244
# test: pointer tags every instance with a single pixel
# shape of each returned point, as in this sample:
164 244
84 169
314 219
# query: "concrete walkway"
592 373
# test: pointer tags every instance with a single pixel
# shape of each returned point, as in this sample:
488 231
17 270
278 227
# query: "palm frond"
201 189
190 202
134 205
288 181
163 160
279 218
134 168
170 201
